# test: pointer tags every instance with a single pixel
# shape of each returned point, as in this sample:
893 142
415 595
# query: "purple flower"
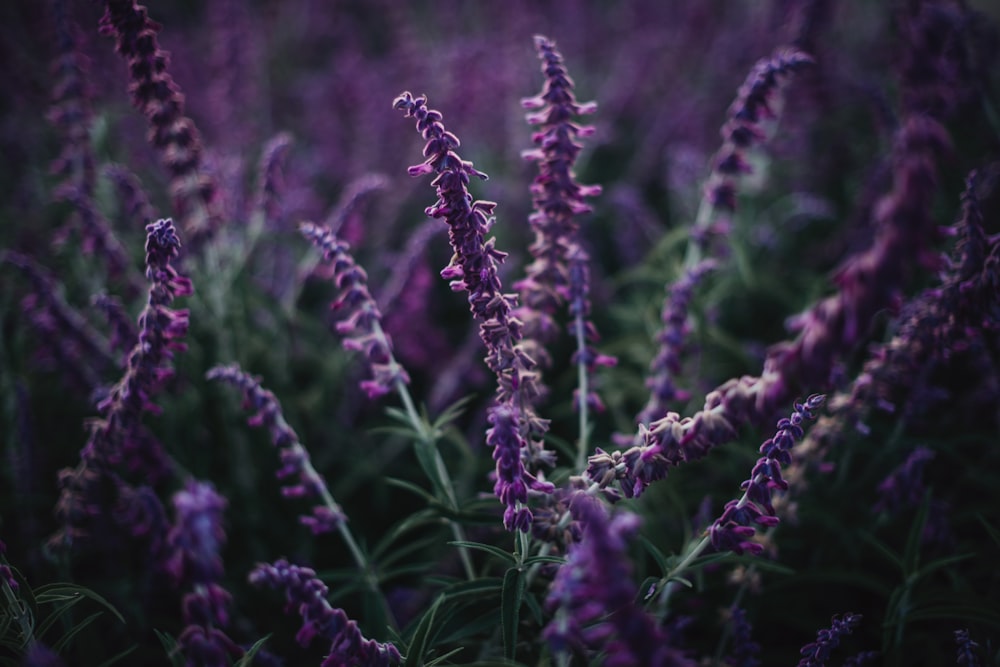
753 105
196 540
745 651
155 93
732 531
473 268
559 272
593 596
306 594
295 463
362 324
673 344
816 653
967 649
118 438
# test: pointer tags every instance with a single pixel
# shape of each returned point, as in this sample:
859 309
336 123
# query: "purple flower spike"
474 268
306 594
155 93
295 464
817 653
196 541
967 649
753 104
362 326
734 529
118 439
673 343
594 597
559 274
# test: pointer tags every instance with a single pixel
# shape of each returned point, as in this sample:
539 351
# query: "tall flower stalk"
560 272
362 331
474 269
755 107
155 93
117 441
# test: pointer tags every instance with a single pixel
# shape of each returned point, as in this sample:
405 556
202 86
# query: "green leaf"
412 521
477 590
247 658
75 630
171 648
410 486
661 559
443 657
956 612
531 560
421 636
993 531
510 609
52 592
488 548
426 451
112 660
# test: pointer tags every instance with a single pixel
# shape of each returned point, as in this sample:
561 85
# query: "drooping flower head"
296 466
362 324
306 594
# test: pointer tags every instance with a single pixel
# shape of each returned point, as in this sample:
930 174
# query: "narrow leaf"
510 609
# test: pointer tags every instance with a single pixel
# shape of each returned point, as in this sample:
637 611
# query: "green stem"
583 388
428 438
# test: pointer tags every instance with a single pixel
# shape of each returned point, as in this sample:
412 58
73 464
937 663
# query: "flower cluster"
473 268
362 328
672 341
157 95
815 654
967 649
306 595
118 440
753 105
195 543
559 273
594 600
295 462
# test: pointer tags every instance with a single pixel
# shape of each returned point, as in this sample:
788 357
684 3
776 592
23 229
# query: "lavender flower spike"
474 268
196 540
816 653
732 531
362 329
296 465
594 597
559 272
157 95
307 594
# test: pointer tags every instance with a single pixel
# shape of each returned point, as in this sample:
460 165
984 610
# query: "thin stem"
428 438
582 444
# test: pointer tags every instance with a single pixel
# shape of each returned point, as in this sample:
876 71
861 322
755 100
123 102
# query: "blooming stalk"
195 543
815 654
155 93
362 327
117 440
559 273
593 596
306 594
868 282
474 268
303 480
732 531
